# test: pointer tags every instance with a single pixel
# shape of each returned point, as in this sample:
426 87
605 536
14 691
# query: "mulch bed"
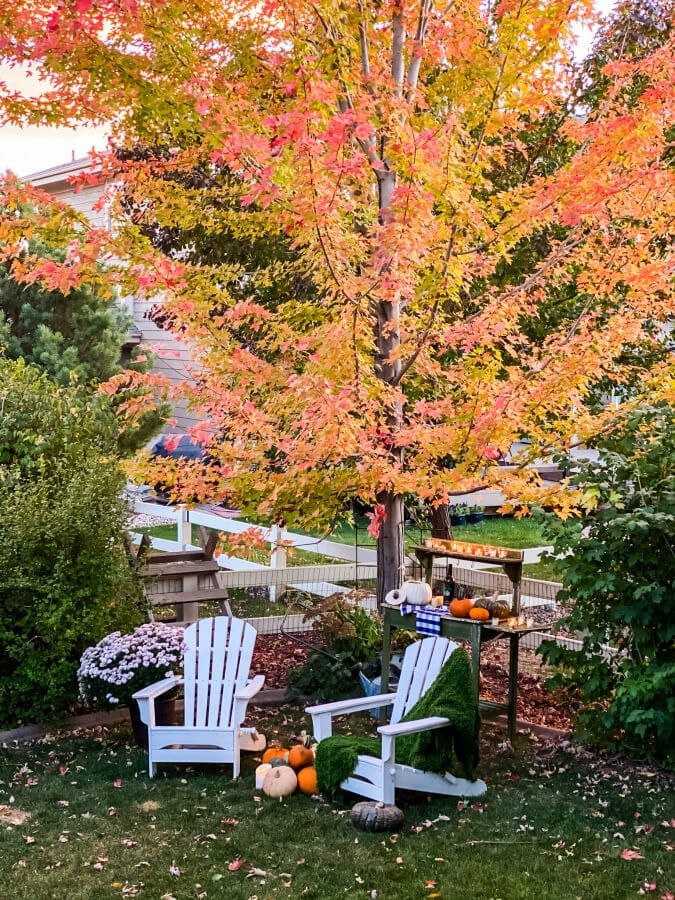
275 655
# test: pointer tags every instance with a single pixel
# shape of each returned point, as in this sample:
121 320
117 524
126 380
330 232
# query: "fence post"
277 556
184 528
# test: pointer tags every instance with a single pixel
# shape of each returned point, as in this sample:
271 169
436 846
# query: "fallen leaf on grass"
631 854
9 815
174 870
235 864
28 838
117 783
149 806
257 873
649 886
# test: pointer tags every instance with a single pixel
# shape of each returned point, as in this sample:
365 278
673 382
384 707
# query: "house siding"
173 358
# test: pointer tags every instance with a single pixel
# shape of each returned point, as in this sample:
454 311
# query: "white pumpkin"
417 593
280 782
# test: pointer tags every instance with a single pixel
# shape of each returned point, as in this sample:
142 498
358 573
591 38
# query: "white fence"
356 564
353 564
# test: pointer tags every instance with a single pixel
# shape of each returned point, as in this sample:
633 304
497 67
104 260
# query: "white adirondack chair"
217 690
378 778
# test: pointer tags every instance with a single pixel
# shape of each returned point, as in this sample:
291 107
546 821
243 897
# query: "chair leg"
236 762
388 785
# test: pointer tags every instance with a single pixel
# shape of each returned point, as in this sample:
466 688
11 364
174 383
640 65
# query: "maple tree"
388 144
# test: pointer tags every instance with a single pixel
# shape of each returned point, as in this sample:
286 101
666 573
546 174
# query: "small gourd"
496 607
479 614
369 815
461 608
307 781
280 782
275 753
300 756
417 593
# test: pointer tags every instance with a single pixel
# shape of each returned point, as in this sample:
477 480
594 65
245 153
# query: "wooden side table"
475 633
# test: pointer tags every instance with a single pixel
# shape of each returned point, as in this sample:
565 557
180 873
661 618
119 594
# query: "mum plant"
121 664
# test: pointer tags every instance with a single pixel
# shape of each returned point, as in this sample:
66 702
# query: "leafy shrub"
323 677
348 628
619 570
67 575
352 637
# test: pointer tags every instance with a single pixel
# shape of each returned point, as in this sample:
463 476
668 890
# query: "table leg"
475 658
514 644
386 656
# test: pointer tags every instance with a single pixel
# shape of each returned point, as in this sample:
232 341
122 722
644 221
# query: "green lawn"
499 530
504 532
552 825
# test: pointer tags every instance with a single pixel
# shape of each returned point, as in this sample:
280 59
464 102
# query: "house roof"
59 173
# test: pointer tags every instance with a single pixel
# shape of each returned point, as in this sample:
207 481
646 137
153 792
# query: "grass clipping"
453 696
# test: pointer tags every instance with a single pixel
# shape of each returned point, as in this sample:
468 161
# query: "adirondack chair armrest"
158 688
322 715
391 732
251 689
357 704
412 727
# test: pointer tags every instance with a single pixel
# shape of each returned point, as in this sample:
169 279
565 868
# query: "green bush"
618 564
323 677
67 575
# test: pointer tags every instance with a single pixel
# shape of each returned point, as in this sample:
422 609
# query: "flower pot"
476 517
165 714
458 520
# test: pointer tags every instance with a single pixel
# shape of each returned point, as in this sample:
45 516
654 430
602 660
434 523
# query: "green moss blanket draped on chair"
453 696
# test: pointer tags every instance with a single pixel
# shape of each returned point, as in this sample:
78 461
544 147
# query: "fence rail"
358 564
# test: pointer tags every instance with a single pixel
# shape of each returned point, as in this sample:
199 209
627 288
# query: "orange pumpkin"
480 614
273 752
307 780
300 756
461 609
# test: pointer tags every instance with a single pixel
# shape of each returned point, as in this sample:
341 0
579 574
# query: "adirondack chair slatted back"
421 664
218 654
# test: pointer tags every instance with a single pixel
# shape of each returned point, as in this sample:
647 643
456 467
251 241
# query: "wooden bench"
184 579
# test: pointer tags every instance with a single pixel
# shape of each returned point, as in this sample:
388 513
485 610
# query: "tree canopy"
391 146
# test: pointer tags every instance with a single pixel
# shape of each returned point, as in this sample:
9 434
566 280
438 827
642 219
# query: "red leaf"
631 854
235 864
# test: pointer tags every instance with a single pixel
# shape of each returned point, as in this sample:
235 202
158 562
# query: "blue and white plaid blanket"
428 618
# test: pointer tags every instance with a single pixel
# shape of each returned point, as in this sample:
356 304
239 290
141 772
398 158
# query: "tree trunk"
390 547
440 522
